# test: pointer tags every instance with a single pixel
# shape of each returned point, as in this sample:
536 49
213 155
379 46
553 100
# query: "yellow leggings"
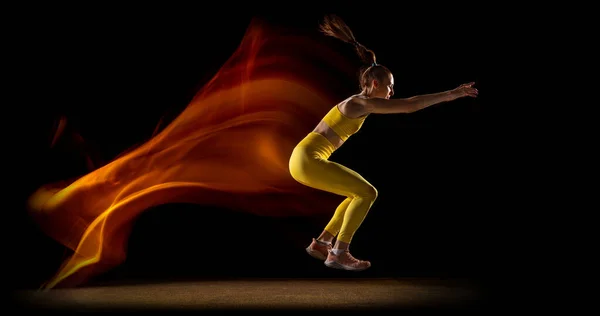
310 166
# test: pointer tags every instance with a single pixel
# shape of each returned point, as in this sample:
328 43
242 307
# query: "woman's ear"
375 84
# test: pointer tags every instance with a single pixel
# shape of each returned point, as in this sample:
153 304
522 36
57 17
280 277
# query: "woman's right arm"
416 103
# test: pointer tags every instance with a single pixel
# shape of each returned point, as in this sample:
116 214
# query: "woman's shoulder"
353 106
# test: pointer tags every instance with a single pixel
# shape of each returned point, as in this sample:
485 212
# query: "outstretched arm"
413 104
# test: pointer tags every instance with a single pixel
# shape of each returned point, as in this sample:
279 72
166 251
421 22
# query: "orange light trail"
228 148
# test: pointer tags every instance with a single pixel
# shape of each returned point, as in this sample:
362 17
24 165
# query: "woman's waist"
315 145
324 130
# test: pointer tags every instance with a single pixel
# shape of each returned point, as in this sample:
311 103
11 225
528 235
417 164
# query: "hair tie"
355 43
373 64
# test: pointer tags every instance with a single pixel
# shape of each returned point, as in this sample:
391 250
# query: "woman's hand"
465 90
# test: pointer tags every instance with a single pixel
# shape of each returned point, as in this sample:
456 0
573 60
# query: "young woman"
310 165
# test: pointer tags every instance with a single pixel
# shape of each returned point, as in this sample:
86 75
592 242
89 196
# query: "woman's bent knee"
368 193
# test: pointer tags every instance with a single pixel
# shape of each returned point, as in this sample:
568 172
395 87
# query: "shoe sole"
315 254
335 265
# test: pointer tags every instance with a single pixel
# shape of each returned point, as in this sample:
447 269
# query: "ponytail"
334 26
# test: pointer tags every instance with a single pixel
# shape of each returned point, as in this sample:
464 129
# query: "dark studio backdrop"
436 208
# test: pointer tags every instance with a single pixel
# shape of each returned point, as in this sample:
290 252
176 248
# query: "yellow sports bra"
342 125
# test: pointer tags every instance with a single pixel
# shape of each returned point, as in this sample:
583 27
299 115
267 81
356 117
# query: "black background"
115 72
